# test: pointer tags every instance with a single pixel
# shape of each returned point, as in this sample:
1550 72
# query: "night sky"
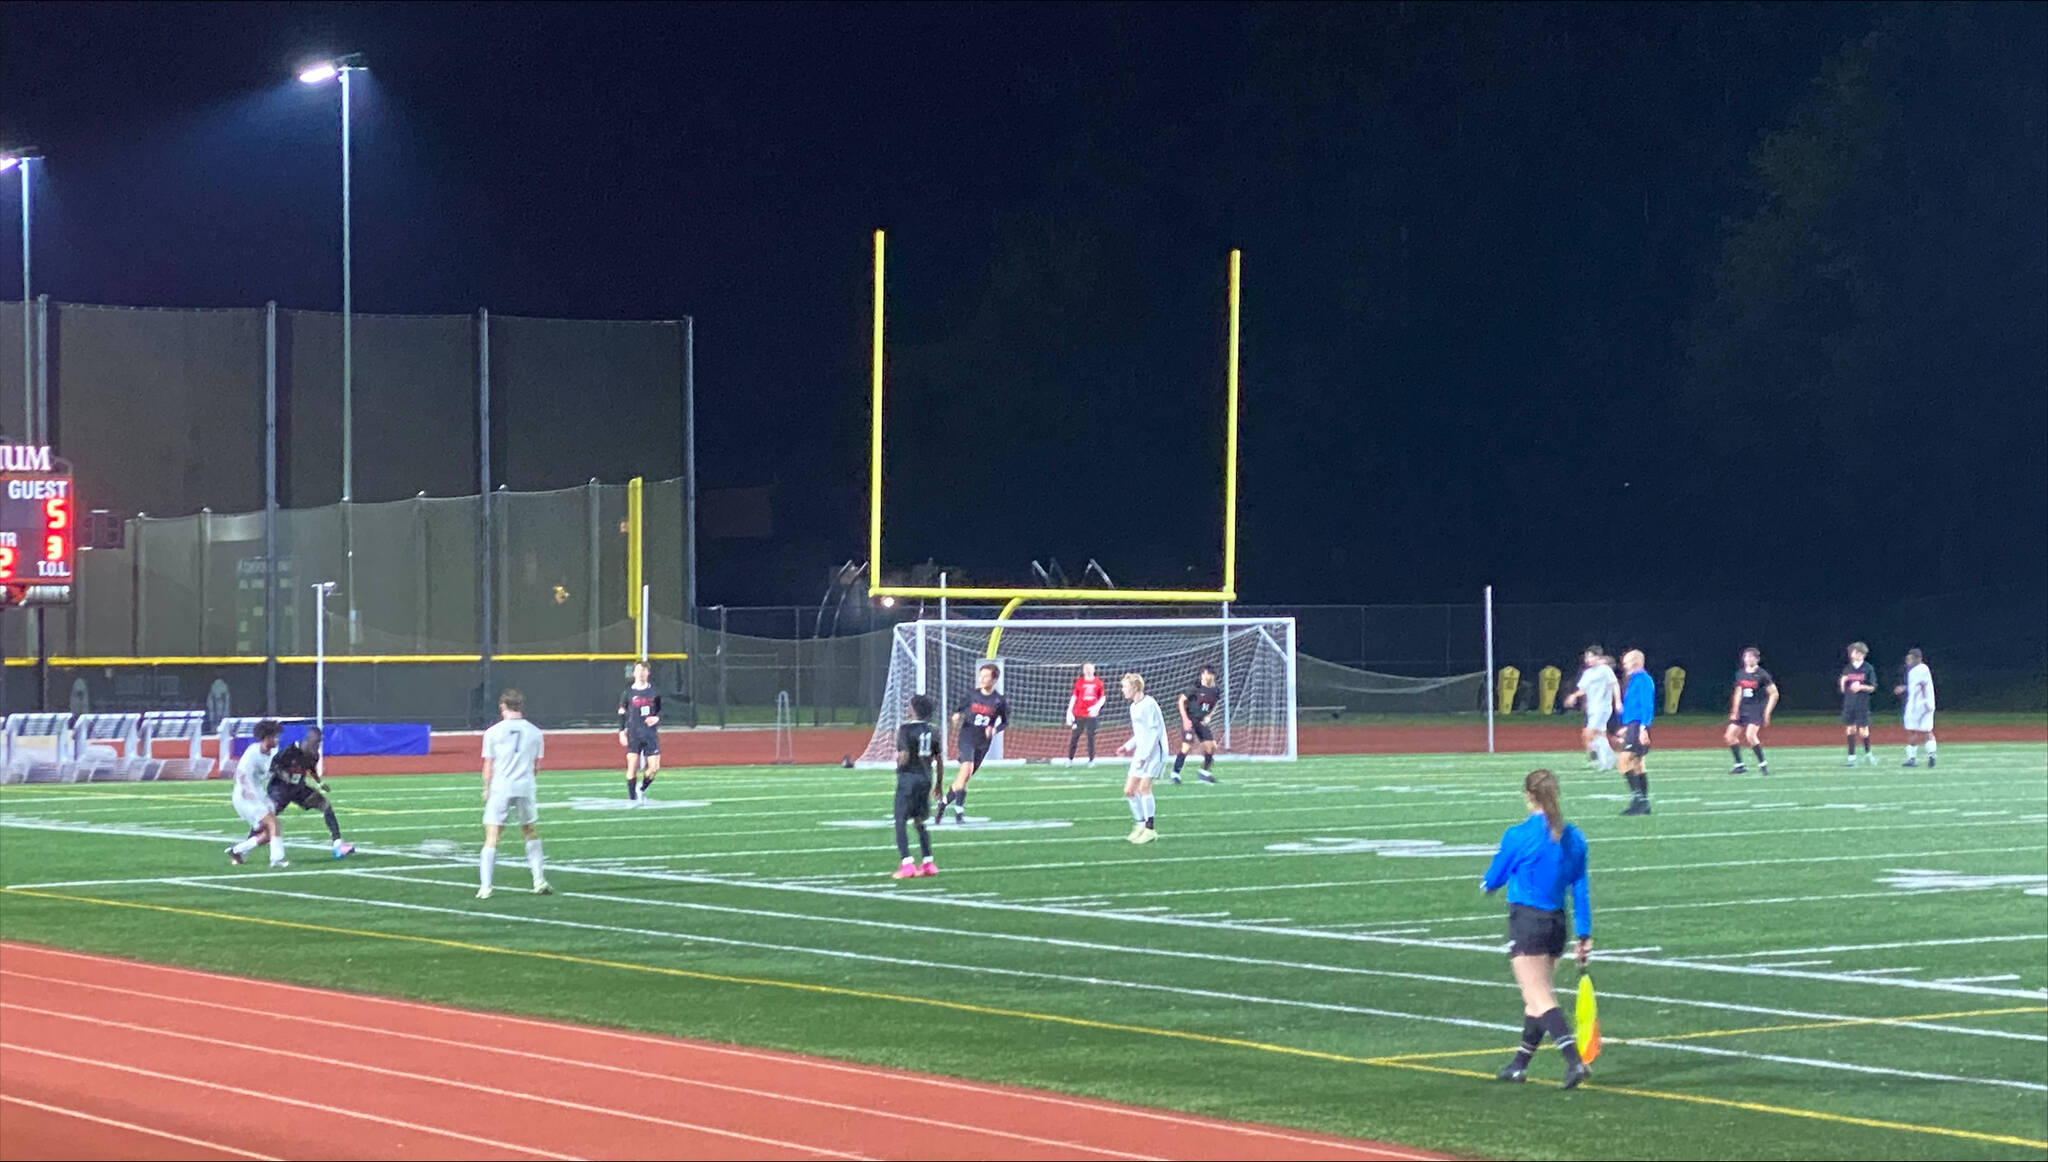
1590 302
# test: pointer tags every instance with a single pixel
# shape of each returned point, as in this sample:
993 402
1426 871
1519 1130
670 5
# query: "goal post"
1256 718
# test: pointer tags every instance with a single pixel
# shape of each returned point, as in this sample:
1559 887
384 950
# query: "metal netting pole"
591 491
270 509
486 590
1225 696
1487 685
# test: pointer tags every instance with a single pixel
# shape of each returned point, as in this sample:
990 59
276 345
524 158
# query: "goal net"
1254 660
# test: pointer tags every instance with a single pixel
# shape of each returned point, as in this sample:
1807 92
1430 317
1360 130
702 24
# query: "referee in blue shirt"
1638 708
1540 859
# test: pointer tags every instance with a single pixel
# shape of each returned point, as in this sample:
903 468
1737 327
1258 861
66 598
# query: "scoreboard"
38 523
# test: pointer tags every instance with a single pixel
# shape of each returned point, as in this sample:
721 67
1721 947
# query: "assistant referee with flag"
1540 859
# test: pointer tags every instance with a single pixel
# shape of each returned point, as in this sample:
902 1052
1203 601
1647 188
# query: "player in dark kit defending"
979 717
1749 710
639 715
1197 702
295 778
918 762
1858 681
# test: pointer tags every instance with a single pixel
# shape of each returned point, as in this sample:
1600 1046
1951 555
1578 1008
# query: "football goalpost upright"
1040 657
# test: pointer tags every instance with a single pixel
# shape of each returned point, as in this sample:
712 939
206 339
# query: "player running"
1147 748
1858 681
981 714
1749 710
1084 710
639 715
1918 712
1601 692
251 797
511 748
918 762
1638 710
1196 704
296 777
1540 859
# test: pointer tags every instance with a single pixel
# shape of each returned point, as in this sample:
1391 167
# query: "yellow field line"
1838 1023
1019 1014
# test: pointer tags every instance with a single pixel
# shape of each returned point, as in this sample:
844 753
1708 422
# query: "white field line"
1798 963
1097 981
1972 979
245 1010
80 1115
1878 971
1889 944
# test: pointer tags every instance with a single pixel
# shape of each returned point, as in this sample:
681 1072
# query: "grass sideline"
1828 963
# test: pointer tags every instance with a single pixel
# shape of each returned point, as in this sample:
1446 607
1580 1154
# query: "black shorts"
1200 733
1535 932
283 794
913 797
1632 739
1854 714
974 746
643 742
1745 721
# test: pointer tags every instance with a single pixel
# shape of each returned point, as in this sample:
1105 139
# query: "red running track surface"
107 1058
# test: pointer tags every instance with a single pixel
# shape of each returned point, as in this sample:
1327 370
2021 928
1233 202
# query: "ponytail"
1541 786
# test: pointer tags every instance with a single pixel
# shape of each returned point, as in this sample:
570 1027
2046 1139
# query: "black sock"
333 824
1553 1024
1180 760
1852 746
1736 753
1532 1036
960 798
924 840
646 781
1866 744
631 787
1759 755
1208 760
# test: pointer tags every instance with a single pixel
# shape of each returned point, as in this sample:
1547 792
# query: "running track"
105 1058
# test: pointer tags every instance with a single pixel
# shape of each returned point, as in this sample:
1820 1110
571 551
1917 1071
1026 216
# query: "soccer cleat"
1763 768
483 893
1145 835
1930 762
960 816
278 863
542 889
1176 779
1738 769
1513 1073
1851 762
1207 777
1637 807
234 857
1910 763
344 849
929 869
1576 1073
905 871
1870 758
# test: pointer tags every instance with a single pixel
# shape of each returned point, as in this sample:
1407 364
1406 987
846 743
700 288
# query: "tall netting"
1040 658
1333 690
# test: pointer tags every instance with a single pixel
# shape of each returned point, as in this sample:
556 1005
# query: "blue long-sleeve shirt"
1639 699
1538 870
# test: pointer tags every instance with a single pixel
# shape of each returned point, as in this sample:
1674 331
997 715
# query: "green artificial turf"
1290 929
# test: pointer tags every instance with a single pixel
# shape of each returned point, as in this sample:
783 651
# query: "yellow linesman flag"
1587 1026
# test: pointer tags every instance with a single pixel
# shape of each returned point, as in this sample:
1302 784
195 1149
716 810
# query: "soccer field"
1825 963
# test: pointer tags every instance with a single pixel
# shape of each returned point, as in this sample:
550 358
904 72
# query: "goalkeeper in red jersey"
1084 711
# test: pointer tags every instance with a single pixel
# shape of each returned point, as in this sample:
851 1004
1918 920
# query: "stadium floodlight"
324 71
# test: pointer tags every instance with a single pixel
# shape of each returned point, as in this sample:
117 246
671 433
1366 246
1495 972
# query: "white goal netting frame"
1039 658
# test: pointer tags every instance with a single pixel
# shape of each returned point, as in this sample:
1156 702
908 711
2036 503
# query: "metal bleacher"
102 748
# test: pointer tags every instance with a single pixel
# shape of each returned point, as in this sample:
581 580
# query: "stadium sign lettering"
24 458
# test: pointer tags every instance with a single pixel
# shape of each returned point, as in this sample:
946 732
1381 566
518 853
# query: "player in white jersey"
251 796
1918 711
511 748
1147 748
1601 692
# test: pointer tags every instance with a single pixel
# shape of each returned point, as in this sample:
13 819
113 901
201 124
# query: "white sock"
246 846
907 861
1912 750
1930 746
533 861
1605 751
277 849
485 865
1145 801
1137 807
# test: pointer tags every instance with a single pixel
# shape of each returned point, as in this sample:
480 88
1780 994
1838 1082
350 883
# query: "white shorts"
1147 767
252 811
519 808
1596 717
1920 721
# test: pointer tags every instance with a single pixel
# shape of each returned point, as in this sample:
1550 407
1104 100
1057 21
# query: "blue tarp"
355 738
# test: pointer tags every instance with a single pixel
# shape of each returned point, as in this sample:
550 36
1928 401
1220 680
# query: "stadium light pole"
320 73
12 159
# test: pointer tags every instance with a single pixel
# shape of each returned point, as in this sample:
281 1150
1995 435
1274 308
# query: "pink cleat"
929 869
905 872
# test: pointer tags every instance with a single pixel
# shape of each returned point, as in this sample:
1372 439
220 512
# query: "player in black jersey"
1749 711
918 762
978 718
295 778
1858 680
639 715
1197 702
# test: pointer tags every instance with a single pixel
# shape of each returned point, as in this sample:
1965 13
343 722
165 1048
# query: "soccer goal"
1039 658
